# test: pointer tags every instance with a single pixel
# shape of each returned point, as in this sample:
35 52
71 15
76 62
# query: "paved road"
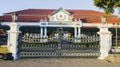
58 62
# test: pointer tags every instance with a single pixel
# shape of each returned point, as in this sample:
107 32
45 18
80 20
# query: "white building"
43 25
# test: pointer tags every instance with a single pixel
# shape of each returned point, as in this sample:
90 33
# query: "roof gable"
60 10
60 15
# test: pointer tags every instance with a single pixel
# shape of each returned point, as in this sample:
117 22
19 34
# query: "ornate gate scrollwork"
35 46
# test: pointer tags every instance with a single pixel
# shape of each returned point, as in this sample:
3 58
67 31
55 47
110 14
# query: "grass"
4 49
113 58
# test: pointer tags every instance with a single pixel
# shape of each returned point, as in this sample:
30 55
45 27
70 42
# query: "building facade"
59 33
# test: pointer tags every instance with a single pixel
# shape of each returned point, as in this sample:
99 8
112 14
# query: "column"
105 41
13 37
8 39
75 32
45 32
41 32
79 32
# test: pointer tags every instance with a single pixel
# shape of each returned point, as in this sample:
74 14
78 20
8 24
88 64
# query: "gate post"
13 39
105 41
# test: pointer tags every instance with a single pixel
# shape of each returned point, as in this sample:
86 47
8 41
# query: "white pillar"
105 41
8 39
13 37
75 32
45 32
41 32
79 32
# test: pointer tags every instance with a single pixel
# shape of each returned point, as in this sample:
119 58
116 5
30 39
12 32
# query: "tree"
107 5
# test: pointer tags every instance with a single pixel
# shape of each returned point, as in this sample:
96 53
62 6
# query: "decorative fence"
115 41
32 45
3 39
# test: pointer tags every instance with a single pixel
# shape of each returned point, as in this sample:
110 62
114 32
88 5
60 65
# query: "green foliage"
107 5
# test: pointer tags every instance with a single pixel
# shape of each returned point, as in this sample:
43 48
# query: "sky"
16 5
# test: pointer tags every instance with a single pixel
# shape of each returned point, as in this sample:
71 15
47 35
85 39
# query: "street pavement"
58 62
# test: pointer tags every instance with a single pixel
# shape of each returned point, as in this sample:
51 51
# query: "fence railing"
35 38
3 39
114 41
35 46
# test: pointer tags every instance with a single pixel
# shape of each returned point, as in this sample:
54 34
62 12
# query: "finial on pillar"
41 19
14 17
75 20
45 19
104 19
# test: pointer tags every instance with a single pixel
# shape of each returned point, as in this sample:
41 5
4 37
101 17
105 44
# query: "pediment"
60 15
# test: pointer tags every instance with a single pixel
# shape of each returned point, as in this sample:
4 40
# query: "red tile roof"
34 12
6 18
35 15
